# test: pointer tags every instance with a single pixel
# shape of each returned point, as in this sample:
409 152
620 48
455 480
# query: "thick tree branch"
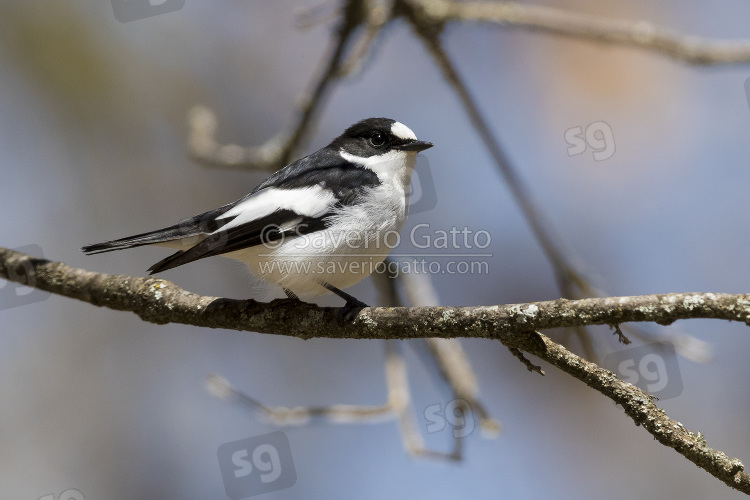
515 325
159 301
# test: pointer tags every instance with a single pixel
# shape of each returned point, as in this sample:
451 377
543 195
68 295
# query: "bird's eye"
377 139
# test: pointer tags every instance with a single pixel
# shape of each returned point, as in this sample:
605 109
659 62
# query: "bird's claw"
350 310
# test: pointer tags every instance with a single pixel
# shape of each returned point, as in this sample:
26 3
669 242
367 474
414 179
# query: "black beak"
414 146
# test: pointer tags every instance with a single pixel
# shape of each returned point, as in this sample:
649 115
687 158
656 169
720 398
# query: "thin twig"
378 15
587 343
686 345
621 337
300 415
400 399
571 279
523 359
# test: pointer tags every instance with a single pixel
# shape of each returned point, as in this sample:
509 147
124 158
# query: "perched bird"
322 223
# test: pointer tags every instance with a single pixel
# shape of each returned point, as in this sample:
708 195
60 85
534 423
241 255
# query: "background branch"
571 280
446 353
433 15
280 149
641 34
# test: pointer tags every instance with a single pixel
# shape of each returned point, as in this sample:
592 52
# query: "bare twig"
160 301
399 403
449 355
385 284
523 359
400 399
427 18
621 337
220 387
205 149
378 15
687 346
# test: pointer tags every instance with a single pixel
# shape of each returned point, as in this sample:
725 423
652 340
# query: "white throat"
393 167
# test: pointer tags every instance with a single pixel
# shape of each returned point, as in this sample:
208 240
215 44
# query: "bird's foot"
350 310
347 313
292 297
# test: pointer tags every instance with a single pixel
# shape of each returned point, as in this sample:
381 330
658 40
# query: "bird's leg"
352 306
292 297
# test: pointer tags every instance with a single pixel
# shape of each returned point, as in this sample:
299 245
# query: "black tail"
202 224
167 234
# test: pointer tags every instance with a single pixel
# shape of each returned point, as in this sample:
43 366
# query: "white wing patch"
311 201
402 131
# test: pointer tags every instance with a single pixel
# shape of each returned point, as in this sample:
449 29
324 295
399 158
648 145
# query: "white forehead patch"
402 131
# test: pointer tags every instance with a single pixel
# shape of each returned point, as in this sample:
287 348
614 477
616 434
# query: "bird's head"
378 137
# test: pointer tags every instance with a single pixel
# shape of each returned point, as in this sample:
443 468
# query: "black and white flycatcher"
318 224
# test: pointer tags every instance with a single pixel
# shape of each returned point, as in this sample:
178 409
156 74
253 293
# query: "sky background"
92 147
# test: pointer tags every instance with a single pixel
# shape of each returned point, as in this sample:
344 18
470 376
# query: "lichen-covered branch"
514 325
160 301
639 405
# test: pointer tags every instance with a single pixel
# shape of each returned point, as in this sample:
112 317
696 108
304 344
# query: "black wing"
269 230
324 168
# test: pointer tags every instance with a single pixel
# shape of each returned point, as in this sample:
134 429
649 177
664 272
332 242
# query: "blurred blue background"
92 147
